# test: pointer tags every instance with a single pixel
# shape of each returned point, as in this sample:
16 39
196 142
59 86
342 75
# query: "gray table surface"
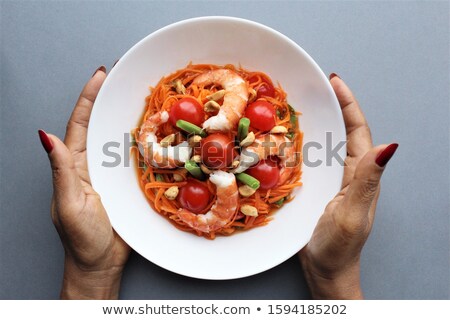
394 55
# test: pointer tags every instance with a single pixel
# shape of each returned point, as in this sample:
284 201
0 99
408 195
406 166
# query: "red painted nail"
45 140
101 68
332 75
384 156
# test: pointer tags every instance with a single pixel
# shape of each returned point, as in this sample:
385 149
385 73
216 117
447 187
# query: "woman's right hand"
331 259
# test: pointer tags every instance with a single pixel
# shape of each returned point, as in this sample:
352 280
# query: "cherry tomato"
194 196
261 114
266 89
217 151
187 109
267 172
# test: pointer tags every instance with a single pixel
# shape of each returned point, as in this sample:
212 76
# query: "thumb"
363 187
66 182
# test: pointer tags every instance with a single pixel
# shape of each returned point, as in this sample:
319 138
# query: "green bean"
290 135
279 202
248 180
194 170
190 128
293 118
244 124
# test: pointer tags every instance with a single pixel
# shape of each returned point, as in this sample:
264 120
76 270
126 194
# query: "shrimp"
156 155
222 211
270 145
234 100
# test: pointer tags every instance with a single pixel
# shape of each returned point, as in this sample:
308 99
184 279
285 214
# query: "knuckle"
368 188
366 129
76 121
348 227
351 228
56 173
59 174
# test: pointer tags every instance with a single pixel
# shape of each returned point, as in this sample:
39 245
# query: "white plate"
120 103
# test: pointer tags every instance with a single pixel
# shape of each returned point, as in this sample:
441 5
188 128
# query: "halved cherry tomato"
217 151
267 172
265 89
194 196
187 109
261 114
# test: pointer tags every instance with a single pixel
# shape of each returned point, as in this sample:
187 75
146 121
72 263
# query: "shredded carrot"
164 184
155 181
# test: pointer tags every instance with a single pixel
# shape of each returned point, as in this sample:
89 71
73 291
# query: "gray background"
394 55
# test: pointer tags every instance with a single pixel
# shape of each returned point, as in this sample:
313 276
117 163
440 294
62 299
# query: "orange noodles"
155 182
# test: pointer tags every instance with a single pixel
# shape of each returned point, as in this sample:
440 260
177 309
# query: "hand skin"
94 254
331 259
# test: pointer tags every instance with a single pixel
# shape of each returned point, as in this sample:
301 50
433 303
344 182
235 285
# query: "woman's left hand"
94 254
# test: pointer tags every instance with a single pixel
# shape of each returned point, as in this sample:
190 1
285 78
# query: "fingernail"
101 68
115 63
332 75
45 140
384 156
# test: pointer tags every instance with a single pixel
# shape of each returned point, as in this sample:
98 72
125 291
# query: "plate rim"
219 18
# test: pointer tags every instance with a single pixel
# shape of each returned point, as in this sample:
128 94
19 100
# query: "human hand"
331 259
94 254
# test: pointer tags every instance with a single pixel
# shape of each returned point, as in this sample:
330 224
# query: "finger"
359 139
77 126
66 182
363 189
